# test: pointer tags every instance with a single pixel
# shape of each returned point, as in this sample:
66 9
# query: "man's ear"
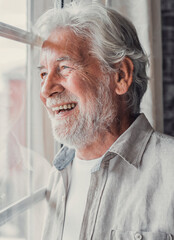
124 76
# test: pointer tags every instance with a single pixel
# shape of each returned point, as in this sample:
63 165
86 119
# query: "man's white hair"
111 37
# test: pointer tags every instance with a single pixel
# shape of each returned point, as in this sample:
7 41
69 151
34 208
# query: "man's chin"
71 142
61 132
64 133
73 137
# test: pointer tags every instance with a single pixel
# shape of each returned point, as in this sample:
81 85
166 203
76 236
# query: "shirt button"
138 236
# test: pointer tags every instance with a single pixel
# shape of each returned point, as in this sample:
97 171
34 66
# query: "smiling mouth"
64 108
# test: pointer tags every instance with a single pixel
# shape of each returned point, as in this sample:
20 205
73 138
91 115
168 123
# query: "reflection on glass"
14 13
24 228
13 119
22 171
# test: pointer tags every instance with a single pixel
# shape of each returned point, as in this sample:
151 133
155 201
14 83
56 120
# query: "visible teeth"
65 107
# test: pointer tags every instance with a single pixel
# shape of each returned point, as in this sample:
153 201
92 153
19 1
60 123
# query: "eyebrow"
63 58
40 67
57 60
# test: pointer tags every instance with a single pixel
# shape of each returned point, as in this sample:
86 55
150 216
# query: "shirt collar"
63 158
129 146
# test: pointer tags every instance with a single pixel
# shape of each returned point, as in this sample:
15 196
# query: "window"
24 155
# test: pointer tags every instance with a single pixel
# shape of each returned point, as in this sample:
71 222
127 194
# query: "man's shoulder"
164 136
163 141
161 148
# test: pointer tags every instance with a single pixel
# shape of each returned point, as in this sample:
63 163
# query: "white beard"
81 130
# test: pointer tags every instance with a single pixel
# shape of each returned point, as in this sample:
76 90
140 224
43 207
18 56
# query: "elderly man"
113 179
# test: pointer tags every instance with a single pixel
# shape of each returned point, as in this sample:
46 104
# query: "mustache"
61 98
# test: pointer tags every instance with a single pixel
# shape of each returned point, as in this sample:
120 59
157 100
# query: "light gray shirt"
131 193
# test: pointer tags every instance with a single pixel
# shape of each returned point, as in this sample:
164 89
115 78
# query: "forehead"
64 42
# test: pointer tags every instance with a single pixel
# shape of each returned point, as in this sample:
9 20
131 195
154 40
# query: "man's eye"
43 74
64 67
65 70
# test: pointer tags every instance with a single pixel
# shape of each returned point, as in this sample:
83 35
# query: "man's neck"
96 149
103 142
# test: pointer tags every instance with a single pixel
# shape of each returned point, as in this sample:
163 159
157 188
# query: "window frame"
8 213
17 34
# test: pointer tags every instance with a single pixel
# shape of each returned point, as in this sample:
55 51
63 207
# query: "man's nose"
52 85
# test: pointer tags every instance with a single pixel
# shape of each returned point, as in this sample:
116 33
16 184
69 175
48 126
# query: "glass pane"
14 13
22 170
13 119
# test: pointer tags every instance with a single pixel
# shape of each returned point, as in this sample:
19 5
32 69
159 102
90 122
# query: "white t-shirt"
77 196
